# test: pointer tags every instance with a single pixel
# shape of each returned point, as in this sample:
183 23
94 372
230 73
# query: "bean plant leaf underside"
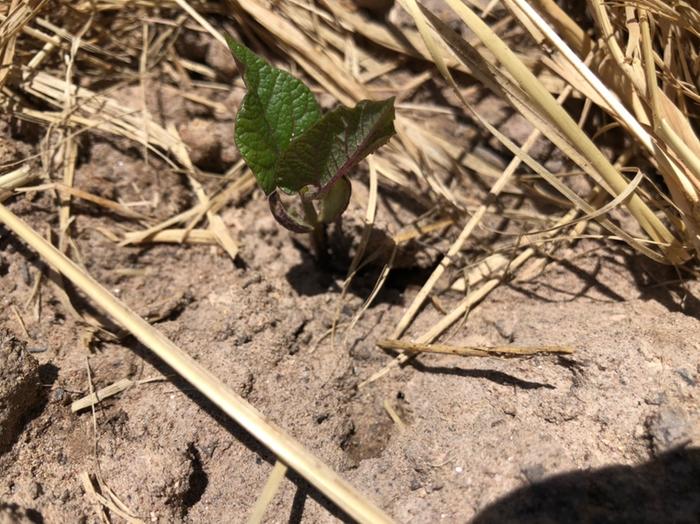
329 149
276 108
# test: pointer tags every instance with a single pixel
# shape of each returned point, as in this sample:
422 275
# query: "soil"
608 434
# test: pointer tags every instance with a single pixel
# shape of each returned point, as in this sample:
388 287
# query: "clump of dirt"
669 428
210 144
20 390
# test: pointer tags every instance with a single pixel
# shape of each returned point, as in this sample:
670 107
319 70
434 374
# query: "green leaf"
276 109
334 145
335 201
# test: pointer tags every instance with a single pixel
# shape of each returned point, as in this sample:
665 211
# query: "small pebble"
436 486
58 394
35 490
655 399
533 472
667 429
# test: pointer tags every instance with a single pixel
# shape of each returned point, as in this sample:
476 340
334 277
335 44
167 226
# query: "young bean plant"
292 148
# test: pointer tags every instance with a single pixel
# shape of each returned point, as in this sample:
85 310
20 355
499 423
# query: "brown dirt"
19 386
610 433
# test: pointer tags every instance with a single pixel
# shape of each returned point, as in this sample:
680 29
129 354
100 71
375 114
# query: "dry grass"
632 72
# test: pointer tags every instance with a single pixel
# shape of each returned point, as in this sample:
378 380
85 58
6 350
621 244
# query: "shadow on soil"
311 277
661 283
588 280
664 284
15 513
498 377
666 489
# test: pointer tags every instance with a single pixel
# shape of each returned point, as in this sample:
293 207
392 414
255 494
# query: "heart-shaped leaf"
276 109
333 146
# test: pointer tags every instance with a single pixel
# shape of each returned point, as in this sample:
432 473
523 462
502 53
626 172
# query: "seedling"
293 149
